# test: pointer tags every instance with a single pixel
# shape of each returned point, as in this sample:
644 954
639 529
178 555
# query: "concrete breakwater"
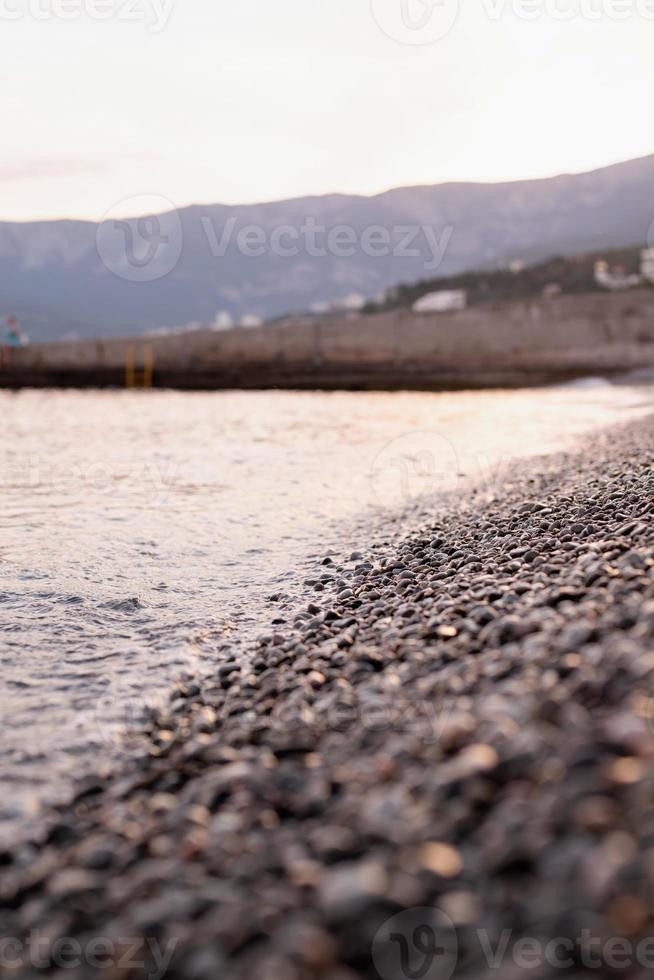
496 344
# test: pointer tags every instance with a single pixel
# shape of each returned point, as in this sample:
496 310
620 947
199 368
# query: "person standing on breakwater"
13 340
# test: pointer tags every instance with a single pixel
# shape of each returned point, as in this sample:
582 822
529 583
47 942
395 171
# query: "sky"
107 102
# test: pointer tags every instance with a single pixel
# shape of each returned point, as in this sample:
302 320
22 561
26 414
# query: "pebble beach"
438 763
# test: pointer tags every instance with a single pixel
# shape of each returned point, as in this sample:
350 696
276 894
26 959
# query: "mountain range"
212 264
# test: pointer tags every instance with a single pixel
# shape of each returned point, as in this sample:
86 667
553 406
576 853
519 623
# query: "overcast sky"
250 100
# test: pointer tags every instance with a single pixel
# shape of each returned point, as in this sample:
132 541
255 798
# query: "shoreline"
460 717
277 378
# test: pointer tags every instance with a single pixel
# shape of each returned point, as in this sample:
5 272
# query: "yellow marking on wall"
139 377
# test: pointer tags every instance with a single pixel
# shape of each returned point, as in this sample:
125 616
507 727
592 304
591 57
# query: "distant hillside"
572 274
53 277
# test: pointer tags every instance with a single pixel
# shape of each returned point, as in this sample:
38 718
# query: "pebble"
442 859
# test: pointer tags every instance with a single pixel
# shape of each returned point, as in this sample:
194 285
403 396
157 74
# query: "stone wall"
500 343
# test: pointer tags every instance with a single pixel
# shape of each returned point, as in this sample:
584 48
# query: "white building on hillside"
249 320
223 321
443 301
647 264
614 279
